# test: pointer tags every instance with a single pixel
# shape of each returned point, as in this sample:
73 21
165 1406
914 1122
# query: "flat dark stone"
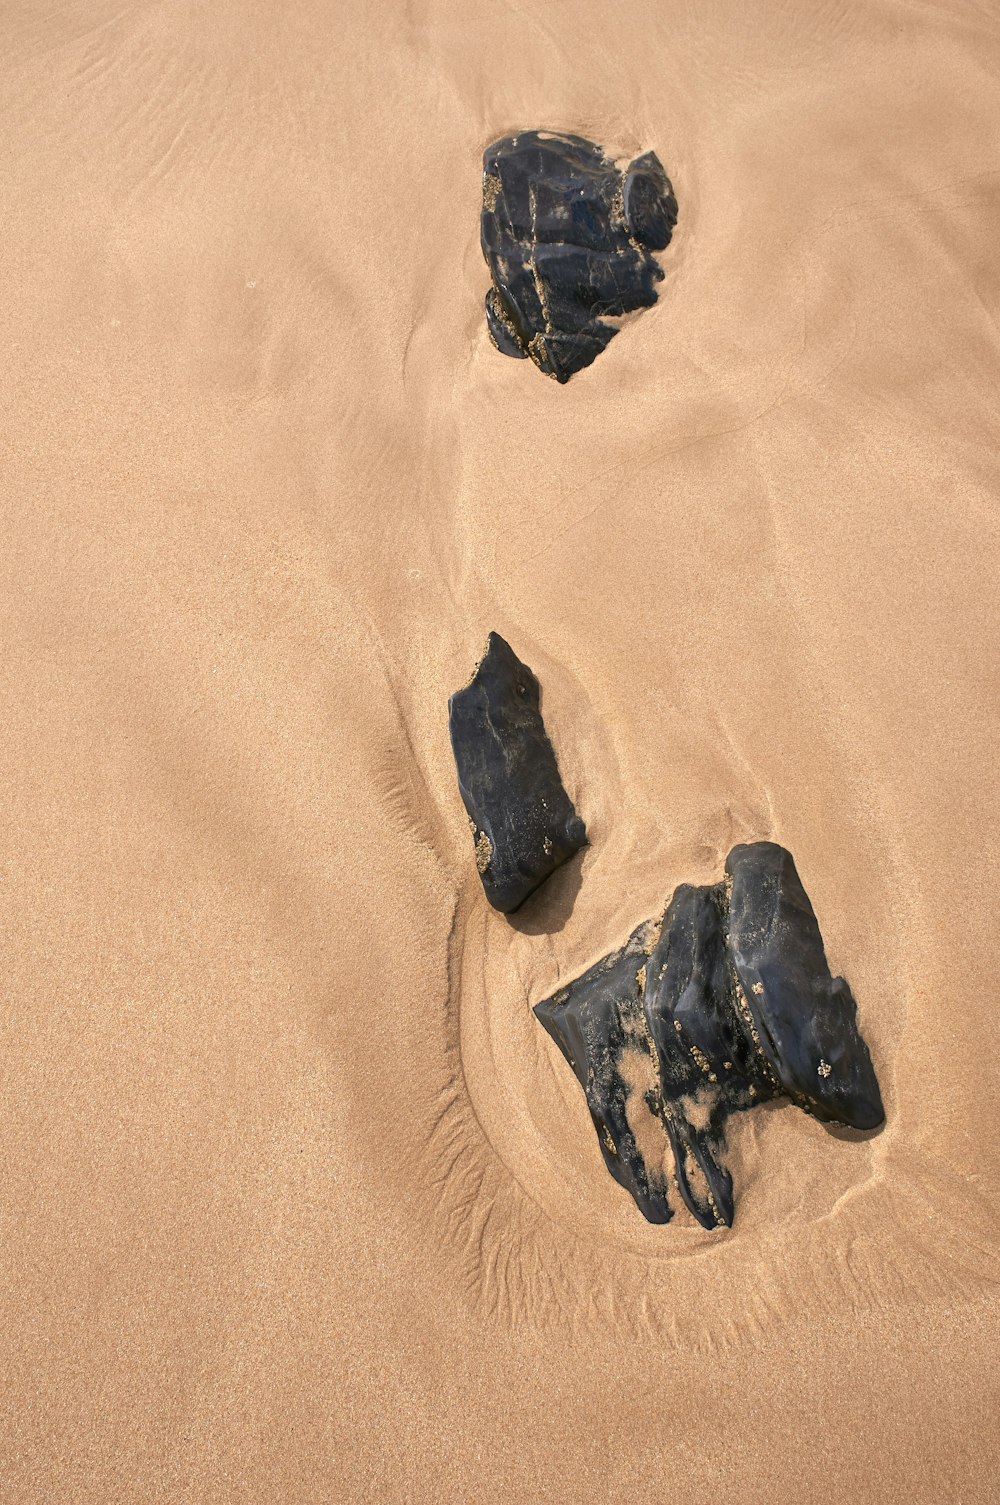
733 997
524 823
568 239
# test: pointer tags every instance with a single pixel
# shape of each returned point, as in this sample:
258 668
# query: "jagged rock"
524 823
598 1025
731 997
568 240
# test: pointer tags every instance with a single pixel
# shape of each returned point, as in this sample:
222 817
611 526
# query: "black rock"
567 237
733 997
598 1025
804 1020
524 823
705 1065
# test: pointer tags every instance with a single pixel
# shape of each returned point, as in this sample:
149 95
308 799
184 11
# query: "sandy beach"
298 1201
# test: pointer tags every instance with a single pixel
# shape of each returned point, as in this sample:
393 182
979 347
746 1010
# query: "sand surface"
297 1201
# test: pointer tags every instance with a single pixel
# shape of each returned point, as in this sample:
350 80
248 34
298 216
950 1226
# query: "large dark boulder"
568 238
732 996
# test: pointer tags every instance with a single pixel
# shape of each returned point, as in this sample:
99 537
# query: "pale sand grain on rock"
638 1071
298 1202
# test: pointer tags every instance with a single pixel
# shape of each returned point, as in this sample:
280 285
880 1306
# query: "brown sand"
297 1201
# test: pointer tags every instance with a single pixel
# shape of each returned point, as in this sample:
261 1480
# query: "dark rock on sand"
597 1024
804 1020
731 997
568 239
524 823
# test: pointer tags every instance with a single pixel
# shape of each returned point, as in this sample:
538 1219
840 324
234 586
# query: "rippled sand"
298 1203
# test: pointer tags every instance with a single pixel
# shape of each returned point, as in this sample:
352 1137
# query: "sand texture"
298 1202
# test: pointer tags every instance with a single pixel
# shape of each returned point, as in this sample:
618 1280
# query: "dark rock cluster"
725 1003
568 238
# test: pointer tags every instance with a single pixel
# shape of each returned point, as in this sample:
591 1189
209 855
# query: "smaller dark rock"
649 203
524 823
502 332
694 1031
598 1025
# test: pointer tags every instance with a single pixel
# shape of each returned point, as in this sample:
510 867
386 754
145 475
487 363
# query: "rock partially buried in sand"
524 823
568 239
727 1002
598 1025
